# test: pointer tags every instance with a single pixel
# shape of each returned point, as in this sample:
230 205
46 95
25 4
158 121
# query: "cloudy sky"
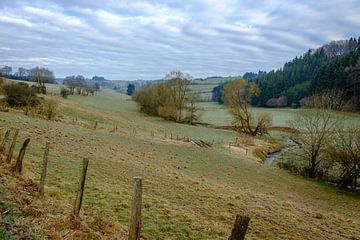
138 39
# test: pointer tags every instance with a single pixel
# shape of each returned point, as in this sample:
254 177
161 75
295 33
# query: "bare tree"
315 127
343 149
179 83
237 95
193 112
41 76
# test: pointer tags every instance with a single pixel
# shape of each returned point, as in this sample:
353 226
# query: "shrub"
48 108
20 94
64 92
41 89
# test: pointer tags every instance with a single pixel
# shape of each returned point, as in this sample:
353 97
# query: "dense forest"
333 66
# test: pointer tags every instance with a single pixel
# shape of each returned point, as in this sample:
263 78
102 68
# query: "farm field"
189 192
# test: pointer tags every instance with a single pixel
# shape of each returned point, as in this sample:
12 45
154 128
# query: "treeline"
36 74
170 99
333 66
78 84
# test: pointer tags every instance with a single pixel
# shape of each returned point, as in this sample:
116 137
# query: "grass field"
189 192
217 114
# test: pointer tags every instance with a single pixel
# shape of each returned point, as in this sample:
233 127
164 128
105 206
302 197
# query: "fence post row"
44 169
135 222
19 160
11 150
80 191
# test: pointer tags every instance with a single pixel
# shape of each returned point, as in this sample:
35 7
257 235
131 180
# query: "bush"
41 89
64 92
20 94
48 108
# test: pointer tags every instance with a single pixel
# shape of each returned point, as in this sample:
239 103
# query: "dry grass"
189 192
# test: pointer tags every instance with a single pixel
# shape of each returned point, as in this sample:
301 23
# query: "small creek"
290 144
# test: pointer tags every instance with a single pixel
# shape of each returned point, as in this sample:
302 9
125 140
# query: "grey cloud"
145 39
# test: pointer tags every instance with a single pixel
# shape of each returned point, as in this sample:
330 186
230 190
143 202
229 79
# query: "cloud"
14 20
132 39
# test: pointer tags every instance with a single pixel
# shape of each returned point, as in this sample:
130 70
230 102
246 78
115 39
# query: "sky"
137 39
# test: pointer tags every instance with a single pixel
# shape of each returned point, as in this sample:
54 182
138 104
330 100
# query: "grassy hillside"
189 192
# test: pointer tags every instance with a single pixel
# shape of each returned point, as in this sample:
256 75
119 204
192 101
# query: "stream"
290 144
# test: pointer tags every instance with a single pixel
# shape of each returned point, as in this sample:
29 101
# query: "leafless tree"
237 95
315 126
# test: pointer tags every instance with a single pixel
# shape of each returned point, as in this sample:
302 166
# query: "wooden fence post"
19 160
80 192
44 169
11 150
240 226
3 142
135 222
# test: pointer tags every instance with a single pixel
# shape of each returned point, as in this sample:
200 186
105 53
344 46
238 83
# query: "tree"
193 110
6 70
237 95
22 72
41 76
2 83
130 89
170 98
73 82
343 149
314 125
179 84
217 93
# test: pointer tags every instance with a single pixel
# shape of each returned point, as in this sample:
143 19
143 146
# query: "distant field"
217 114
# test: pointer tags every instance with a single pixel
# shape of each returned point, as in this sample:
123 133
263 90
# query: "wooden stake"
3 142
240 226
135 222
19 160
44 169
81 187
11 150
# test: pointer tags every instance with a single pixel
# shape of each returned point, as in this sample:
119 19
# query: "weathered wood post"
11 150
44 169
3 142
240 226
80 192
19 160
95 125
165 135
135 222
